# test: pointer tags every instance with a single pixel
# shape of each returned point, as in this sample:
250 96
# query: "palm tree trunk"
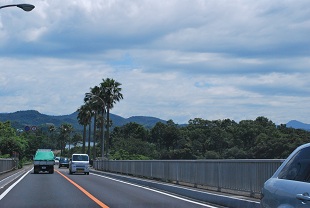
108 129
94 139
84 138
89 135
102 135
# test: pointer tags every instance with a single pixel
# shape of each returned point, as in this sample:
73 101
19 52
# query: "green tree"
10 142
110 91
157 135
131 142
9 145
6 130
101 100
171 135
65 131
84 118
93 99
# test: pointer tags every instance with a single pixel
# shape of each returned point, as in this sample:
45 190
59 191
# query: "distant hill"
146 121
20 119
298 125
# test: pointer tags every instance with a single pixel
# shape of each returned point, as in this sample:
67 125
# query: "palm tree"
51 129
88 117
101 127
95 99
111 92
84 118
65 130
96 106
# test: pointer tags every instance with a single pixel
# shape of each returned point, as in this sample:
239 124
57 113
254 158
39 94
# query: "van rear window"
80 158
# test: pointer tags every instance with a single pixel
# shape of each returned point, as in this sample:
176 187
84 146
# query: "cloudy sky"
175 59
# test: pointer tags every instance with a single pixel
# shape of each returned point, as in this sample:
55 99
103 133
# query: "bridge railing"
8 165
241 175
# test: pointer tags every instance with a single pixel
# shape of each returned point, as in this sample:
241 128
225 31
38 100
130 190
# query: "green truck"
43 161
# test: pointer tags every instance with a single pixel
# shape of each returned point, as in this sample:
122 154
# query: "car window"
80 158
298 168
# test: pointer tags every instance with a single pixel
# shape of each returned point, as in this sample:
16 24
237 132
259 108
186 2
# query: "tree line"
199 139
205 139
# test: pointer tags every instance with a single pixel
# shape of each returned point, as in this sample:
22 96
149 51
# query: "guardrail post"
251 180
218 176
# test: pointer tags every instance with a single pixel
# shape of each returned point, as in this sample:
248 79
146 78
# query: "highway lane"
63 190
45 190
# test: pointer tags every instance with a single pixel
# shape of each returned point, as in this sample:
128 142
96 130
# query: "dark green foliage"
131 142
10 143
204 139
200 139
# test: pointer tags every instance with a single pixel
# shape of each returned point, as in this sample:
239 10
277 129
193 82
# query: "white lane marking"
173 196
9 178
230 197
14 184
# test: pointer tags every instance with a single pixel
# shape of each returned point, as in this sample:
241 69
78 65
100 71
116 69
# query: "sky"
175 59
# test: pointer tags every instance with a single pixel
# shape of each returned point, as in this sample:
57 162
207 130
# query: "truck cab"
79 163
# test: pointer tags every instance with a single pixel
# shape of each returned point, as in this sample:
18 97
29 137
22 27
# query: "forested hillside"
200 139
204 139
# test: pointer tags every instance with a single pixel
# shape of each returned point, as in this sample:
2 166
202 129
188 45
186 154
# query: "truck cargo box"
43 161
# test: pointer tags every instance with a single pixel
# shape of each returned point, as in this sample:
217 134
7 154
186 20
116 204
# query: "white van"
79 163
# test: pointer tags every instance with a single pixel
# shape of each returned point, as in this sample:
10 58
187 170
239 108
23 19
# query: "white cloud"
175 59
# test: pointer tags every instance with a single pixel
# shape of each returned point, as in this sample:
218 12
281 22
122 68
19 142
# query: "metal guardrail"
8 165
236 175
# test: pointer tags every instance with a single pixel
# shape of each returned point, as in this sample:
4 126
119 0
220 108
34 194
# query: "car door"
287 194
292 184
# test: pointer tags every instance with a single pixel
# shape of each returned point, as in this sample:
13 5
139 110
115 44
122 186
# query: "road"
63 190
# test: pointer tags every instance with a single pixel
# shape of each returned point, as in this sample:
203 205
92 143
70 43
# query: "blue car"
290 185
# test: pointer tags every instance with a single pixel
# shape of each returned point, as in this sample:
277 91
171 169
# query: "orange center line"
84 191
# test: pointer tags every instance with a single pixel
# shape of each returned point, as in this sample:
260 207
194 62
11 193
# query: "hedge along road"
63 190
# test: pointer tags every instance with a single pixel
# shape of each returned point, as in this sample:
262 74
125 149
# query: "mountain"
146 121
298 125
20 119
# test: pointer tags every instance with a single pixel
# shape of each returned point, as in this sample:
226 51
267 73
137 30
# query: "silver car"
290 185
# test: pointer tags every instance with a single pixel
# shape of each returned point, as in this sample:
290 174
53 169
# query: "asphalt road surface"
63 190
